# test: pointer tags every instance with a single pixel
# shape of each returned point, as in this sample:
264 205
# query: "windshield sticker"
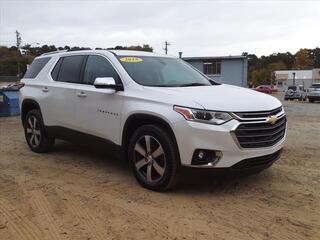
131 59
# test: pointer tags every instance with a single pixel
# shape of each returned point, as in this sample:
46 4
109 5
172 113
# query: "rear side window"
98 66
36 67
70 69
55 72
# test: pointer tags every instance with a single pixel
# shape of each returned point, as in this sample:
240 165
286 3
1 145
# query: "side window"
55 71
70 69
98 66
36 67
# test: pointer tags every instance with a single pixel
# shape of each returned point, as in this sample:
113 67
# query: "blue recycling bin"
9 103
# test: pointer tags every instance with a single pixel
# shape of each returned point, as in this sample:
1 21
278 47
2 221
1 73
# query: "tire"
311 100
35 134
154 173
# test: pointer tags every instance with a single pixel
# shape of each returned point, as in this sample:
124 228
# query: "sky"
196 28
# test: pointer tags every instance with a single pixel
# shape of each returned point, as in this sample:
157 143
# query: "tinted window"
36 67
55 71
98 66
294 88
70 69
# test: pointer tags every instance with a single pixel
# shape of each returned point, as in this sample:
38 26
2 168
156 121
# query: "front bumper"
193 135
314 96
293 96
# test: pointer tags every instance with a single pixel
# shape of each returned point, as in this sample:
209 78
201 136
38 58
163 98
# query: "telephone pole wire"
166 44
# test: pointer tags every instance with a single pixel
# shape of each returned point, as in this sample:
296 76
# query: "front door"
98 111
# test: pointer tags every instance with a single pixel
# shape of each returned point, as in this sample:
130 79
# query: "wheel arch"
139 119
28 105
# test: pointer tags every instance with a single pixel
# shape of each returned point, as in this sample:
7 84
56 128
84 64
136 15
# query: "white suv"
160 111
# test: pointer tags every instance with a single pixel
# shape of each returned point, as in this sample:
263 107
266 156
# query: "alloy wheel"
33 131
149 158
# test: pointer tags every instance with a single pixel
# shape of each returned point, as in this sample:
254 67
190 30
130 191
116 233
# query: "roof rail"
53 52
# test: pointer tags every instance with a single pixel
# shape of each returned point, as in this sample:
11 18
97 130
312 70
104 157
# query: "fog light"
200 154
205 157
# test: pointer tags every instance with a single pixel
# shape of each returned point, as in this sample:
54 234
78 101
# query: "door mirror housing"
107 83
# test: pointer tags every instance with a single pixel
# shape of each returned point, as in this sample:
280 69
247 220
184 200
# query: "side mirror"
107 83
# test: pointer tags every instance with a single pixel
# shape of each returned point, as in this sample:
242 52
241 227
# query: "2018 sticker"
131 59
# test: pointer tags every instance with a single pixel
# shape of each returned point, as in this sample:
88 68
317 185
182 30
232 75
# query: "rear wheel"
154 158
35 134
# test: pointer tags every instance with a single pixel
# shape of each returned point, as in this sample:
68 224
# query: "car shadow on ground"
190 180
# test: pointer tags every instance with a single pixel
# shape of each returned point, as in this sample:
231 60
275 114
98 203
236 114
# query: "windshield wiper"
192 85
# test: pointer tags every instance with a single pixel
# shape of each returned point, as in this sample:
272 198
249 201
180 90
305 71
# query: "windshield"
162 72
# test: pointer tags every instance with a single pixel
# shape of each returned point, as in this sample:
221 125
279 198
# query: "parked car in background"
264 89
313 93
295 92
274 88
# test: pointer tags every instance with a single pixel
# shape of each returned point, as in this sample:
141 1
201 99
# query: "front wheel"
35 133
154 157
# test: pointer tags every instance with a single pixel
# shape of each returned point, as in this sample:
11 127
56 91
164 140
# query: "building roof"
215 57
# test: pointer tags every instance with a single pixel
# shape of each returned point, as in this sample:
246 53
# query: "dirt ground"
81 193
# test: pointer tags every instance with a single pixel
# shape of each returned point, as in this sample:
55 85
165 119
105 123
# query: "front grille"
258 135
257 161
259 114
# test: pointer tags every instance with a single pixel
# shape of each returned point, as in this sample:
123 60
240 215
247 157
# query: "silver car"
314 92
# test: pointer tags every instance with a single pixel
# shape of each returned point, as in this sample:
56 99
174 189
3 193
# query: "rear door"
98 111
61 101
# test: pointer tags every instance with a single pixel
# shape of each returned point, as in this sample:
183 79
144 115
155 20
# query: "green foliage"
144 47
261 69
13 63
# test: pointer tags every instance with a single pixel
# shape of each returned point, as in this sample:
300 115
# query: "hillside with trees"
260 69
14 62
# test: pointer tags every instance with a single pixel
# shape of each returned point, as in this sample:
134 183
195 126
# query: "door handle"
45 89
81 94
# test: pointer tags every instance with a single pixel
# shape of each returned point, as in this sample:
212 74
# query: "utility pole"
18 43
294 78
166 44
18 39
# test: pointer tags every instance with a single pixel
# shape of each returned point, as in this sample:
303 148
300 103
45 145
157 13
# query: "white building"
285 78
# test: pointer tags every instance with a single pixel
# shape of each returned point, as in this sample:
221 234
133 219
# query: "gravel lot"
82 193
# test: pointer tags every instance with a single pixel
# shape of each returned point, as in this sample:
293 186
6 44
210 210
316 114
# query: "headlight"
198 115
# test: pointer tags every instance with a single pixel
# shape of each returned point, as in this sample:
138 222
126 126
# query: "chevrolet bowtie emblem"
272 119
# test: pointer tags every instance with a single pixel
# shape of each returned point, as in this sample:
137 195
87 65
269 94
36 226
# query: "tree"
144 47
303 60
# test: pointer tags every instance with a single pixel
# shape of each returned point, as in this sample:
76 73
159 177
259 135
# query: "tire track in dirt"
85 217
44 214
129 211
19 225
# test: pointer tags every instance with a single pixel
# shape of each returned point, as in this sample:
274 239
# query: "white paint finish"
103 112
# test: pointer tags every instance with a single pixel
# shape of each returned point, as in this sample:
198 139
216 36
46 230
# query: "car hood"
222 97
